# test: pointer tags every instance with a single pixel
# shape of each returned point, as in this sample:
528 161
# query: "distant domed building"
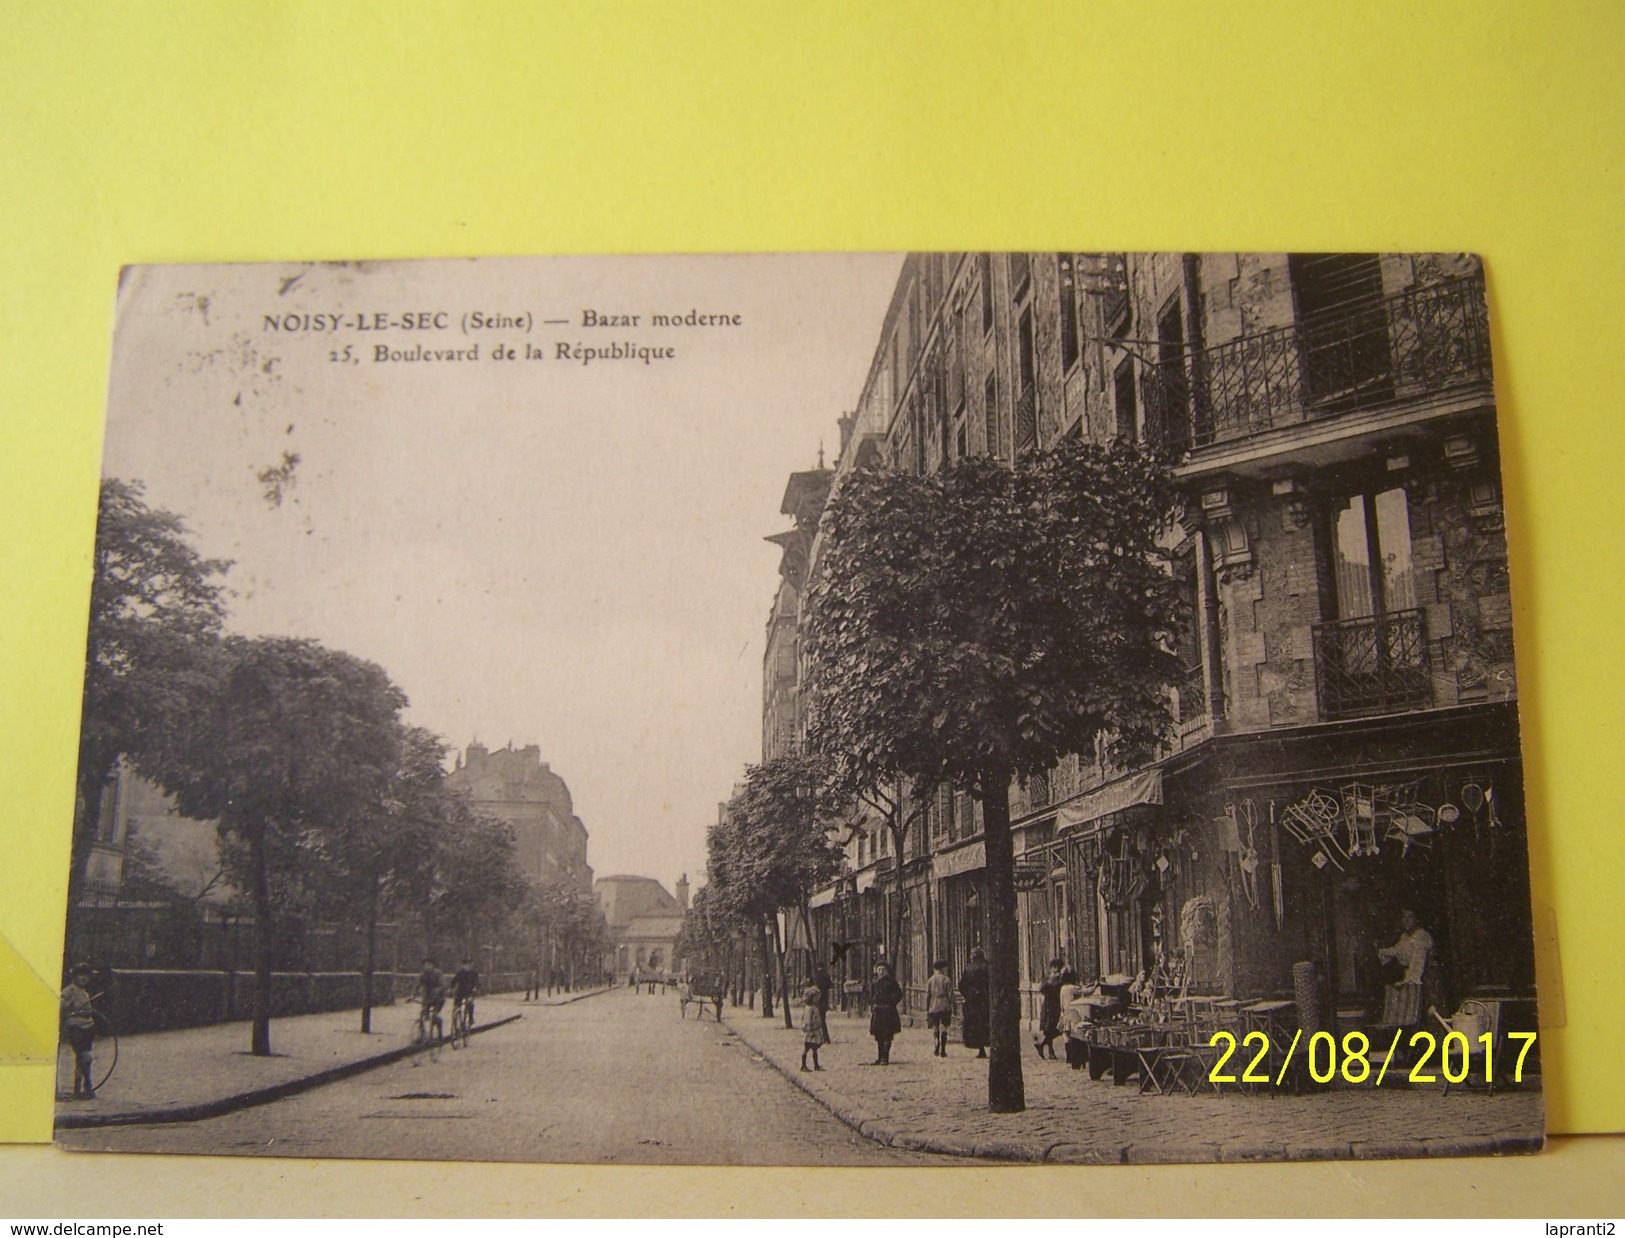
515 785
644 920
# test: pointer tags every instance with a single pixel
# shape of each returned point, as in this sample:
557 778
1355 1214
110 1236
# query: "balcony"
1426 342
1378 664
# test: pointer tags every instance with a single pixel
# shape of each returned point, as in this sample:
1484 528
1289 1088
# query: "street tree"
285 739
777 848
374 854
477 889
974 626
155 612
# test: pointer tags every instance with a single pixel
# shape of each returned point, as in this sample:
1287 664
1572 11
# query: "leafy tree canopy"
984 621
774 847
155 609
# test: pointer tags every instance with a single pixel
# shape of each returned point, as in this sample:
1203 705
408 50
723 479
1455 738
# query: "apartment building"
1346 737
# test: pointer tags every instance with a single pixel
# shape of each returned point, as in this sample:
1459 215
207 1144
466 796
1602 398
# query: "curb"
1065 1152
564 1001
199 1110
880 1132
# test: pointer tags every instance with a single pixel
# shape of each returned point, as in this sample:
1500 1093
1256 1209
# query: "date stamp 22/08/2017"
1353 1058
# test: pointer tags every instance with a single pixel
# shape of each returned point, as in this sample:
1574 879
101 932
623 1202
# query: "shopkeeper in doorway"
1402 1002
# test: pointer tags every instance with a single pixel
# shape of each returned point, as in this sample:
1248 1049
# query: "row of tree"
326 800
963 629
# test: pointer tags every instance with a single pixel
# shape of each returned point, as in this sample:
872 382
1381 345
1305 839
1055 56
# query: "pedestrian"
824 984
1418 987
884 1021
939 1006
533 985
814 1031
1049 1010
79 1029
974 988
1072 1018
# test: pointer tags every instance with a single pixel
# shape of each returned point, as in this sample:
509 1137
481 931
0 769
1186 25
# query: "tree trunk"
89 806
1005 1091
767 970
260 1045
372 954
784 978
894 947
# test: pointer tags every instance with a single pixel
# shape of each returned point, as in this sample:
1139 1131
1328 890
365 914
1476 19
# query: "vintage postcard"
802 710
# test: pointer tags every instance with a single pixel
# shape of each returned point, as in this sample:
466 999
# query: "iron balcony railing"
1376 664
1192 694
1424 341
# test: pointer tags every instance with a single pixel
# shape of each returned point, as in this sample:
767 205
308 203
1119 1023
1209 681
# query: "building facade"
644 920
1346 736
515 785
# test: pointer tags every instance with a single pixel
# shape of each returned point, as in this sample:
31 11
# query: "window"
1187 644
1026 355
1026 427
985 262
990 416
1343 330
1069 311
1128 412
1372 656
1020 272
1172 386
1373 529
1114 301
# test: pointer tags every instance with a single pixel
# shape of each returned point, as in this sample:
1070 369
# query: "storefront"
1219 872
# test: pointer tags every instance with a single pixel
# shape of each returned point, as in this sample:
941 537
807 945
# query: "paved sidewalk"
925 1103
204 1071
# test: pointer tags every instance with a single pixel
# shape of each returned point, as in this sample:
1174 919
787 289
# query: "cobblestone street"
924 1102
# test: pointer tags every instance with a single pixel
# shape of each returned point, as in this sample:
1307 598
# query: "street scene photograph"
802 709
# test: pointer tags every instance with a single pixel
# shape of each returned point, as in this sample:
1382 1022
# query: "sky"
564 551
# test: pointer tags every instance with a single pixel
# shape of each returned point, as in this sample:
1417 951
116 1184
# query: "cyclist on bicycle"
431 993
464 985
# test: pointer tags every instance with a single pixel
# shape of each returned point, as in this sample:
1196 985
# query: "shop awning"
823 898
867 879
965 860
1142 788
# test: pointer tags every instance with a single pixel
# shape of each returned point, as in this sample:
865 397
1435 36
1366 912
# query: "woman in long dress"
974 988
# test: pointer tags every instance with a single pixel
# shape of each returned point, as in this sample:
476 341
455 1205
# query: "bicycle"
430 1032
462 1023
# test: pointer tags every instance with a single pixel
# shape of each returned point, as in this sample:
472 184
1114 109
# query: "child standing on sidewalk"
939 1005
814 1031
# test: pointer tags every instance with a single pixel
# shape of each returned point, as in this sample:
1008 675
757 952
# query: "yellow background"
146 132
